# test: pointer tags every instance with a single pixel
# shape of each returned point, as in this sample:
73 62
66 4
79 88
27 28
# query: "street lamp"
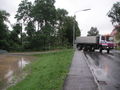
74 25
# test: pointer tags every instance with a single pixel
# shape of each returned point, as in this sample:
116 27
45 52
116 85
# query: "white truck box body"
86 40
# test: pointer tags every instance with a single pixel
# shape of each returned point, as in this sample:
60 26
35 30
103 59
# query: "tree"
114 13
93 32
44 12
65 27
4 32
14 34
118 36
45 25
23 15
3 26
24 11
30 28
14 37
61 15
68 28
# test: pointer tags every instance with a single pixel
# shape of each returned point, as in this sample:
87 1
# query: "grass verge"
47 72
118 48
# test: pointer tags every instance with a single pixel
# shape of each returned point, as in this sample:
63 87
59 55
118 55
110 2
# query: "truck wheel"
100 50
79 47
90 49
85 49
108 51
93 49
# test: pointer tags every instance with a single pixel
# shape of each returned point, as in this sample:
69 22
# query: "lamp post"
74 25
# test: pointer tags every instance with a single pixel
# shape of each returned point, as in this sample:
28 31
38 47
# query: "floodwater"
11 69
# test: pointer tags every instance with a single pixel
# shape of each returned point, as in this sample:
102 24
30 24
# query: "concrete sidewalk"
80 76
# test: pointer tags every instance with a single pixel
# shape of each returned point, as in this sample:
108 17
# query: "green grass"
48 72
118 48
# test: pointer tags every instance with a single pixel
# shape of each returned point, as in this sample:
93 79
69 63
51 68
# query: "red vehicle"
90 43
106 42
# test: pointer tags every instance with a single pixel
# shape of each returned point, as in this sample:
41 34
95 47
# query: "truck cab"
106 42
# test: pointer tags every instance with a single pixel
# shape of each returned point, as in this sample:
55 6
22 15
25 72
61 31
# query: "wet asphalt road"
105 68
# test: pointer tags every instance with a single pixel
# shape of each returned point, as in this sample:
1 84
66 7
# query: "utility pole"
74 33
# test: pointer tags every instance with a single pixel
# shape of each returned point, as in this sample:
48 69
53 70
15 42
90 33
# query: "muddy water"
11 69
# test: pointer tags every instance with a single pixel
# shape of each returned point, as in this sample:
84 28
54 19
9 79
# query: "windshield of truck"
103 38
109 38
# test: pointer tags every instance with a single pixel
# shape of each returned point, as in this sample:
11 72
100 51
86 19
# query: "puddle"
99 68
11 68
101 74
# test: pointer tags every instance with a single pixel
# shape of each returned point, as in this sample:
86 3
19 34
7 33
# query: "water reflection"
22 62
11 67
101 73
99 66
9 76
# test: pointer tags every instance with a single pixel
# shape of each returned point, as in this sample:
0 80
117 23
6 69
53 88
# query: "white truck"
90 43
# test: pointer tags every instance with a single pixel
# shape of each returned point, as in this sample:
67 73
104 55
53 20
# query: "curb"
95 79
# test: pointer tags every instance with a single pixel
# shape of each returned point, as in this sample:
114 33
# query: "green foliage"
3 27
17 29
65 27
68 26
4 15
24 11
4 32
44 12
93 32
30 29
15 33
48 72
45 27
114 13
118 36
4 44
117 27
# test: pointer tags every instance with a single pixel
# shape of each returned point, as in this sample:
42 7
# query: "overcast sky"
96 17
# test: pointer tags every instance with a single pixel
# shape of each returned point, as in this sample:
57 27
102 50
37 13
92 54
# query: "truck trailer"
91 43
